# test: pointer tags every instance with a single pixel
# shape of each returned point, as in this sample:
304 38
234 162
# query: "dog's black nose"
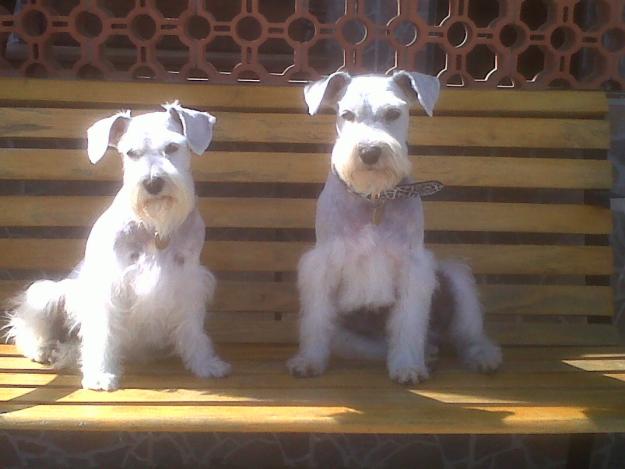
370 154
154 185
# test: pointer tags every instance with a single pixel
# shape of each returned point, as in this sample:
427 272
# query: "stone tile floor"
232 451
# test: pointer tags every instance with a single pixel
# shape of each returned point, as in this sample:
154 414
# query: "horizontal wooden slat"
538 390
567 300
245 212
287 97
563 300
341 376
256 357
261 256
258 328
296 128
422 418
497 299
297 397
223 166
251 360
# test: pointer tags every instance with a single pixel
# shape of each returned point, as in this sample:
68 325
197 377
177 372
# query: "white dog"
367 287
140 286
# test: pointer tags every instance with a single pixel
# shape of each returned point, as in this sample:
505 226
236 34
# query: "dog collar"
408 190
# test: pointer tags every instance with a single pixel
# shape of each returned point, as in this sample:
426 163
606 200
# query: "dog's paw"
407 372
408 375
215 367
42 354
302 366
102 381
35 349
483 356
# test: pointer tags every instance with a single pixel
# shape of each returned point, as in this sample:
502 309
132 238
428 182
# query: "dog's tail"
37 323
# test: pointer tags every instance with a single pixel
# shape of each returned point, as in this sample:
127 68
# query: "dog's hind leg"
466 330
36 319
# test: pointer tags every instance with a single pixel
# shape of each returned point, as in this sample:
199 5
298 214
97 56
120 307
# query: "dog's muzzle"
154 184
369 154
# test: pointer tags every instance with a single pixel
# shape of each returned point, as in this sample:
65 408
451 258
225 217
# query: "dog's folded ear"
426 87
197 126
105 133
325 92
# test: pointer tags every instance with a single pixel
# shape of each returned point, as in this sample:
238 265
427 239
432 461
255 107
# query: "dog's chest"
374 255
368 271
153 271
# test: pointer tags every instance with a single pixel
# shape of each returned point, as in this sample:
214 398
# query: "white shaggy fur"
357 265
140 287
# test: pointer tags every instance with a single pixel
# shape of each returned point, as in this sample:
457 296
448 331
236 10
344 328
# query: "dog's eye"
392 114
133 154
348 116
171 148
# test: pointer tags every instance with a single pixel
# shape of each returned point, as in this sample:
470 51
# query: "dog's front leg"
196 348
100 349
317 315
408 323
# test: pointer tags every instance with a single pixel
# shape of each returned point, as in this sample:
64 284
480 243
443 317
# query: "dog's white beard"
166 212
392 167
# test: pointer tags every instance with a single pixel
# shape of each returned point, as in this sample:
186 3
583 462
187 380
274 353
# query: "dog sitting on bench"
140 287
369 288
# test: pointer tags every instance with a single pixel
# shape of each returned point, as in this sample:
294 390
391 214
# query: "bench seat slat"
521 359
254 97
568 300
559 395
298 396
345 380
242 167
297 128
268 360
439 419
262 256
246 212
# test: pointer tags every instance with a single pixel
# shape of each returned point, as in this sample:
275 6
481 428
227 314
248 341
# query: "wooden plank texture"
262 256
295 128
240 96
538 390
253 296
421 418
264 328
252 360
247 212
224 166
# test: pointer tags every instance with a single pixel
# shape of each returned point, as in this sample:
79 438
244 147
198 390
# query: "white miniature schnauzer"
369 288
140 286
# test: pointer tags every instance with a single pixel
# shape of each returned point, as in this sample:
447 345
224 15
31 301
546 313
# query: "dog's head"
370 153
156 150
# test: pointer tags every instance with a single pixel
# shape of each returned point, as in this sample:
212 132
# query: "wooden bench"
525 175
